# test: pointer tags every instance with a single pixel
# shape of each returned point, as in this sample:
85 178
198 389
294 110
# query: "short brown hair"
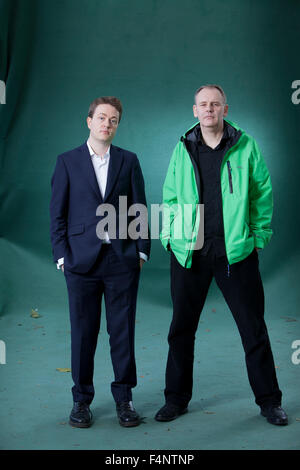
112 100
212 86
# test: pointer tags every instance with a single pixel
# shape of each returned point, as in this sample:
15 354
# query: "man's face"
103 125
210 108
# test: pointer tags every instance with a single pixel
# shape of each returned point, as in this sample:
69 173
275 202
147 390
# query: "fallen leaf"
63 369
34 313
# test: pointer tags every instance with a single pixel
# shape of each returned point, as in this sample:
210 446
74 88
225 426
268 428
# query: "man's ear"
88 121
225 110
195 111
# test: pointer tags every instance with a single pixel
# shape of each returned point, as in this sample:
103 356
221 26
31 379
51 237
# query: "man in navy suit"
95 262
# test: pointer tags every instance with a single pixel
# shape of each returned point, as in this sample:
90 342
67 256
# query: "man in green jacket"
218 207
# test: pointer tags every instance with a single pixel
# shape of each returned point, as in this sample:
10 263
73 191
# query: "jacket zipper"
230 184
168 244
198 187
230 177
231 191
191 242
230 188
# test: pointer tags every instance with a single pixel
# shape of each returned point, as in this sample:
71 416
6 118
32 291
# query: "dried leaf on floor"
34 313
63 369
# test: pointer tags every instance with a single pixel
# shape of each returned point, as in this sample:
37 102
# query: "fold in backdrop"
56 56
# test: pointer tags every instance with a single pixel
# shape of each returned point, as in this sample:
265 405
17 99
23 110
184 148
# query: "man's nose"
107 122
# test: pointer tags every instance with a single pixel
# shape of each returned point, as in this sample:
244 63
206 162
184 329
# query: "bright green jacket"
246 198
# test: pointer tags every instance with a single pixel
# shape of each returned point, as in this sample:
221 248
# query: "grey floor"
35 398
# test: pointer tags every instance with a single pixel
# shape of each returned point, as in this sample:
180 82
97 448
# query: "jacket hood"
191 133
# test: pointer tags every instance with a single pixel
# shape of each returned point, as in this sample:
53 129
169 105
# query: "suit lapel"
115 163
88 170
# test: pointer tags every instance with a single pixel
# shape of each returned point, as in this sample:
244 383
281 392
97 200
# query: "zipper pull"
228 270
230 176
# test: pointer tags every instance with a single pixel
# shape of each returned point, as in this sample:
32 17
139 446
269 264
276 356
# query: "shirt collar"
224 137
93 153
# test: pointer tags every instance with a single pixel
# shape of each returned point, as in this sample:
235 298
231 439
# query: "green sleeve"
260 199
169 199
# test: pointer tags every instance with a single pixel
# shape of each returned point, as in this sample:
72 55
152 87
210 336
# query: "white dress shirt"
100 164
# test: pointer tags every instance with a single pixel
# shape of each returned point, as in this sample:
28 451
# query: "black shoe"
81 415
127 415
275 415
169 412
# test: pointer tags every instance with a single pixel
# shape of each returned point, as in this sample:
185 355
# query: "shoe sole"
165 420
284 423
129 424
79 425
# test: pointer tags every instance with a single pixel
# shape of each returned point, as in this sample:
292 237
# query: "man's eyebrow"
206 101
103 114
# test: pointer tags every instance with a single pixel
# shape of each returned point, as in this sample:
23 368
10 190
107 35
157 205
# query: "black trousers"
242 289
119 285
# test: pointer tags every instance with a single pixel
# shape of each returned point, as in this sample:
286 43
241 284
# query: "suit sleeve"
139 197
59 210
260 200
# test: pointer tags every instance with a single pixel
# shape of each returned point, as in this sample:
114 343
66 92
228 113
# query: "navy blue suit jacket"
75 199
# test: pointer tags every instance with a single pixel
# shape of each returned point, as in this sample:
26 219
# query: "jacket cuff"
259 242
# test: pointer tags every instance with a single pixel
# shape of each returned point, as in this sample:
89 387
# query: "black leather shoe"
169 412
81 415
275 415
127 415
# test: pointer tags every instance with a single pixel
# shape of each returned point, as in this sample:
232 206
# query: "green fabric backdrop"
58 55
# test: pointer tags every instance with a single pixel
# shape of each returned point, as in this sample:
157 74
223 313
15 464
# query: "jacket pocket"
75 229
230 177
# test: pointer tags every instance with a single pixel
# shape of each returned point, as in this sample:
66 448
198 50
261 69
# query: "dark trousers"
242 289
119 285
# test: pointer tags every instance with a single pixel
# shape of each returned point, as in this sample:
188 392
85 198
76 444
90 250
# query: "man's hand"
142 261
62 267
